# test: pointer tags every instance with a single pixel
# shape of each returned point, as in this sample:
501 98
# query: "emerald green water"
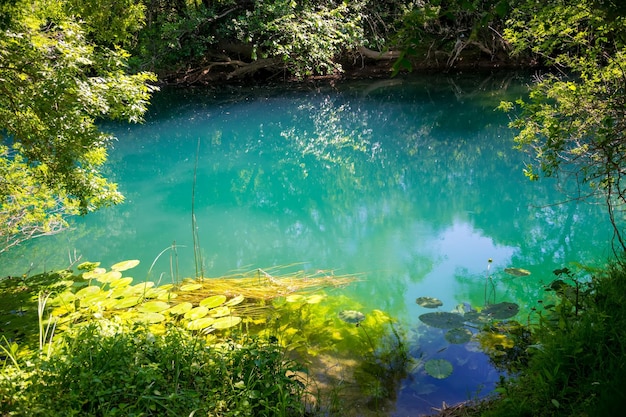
413 183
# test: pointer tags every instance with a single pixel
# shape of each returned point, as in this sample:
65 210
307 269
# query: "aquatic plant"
291 310
438 368
464 324
428 302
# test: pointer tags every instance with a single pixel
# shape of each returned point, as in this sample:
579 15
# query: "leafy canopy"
57 80
574 120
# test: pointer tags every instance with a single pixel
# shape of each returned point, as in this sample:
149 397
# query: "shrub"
105 370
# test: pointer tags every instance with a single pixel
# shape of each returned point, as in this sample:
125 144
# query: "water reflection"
412 183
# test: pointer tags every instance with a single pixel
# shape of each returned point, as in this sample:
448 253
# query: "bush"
101 370
576 364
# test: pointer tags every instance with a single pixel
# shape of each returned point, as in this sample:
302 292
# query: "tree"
56 83
228 39
574 121
446 32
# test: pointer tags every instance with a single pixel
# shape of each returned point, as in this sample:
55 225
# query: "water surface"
412 183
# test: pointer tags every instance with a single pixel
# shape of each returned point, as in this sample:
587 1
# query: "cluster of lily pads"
457 325
107 294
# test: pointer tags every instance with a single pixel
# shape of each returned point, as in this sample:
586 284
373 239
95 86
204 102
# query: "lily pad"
213 301
88 291
166 296
124 265
474 317
294 298
94 273
314 299
226 322
121 282
109 277
66 297
351 316
438 368
443 320
155 292
88 266
153 307
196 313
429 302
458 336
219 312
201 323
190 287
150 317
517 272
127 302
238 299
501 311
180 309
166 287
142 287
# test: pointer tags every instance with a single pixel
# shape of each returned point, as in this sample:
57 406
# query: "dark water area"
411 183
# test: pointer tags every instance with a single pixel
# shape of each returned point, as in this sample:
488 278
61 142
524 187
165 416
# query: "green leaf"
180 309
219 311
196 313
120 283
351 316
125 265
201 323
127 302
153 307
226 322
109 277
213 301
443 320
428 302
500 311
459 335
235 301
518 272
150 317
88 291
438 368
190 287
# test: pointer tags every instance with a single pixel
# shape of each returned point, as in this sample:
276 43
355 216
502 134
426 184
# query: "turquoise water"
413 184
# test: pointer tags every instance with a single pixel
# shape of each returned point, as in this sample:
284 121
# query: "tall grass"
197 252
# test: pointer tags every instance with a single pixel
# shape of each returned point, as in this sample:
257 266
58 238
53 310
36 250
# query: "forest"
67 66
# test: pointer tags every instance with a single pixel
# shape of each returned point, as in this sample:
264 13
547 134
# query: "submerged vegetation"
248 346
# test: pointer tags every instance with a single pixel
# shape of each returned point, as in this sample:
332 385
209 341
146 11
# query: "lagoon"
413 184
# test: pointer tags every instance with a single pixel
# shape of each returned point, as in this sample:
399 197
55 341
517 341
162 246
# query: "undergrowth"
102 370
574 363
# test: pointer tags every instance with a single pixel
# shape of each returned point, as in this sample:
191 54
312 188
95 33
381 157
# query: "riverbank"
354 67
571 359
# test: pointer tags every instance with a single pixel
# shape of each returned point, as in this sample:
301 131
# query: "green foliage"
573 121
299 37
30 209
330 330
108 22
308 40
573 363
113 347
440 30
56 84
105 370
